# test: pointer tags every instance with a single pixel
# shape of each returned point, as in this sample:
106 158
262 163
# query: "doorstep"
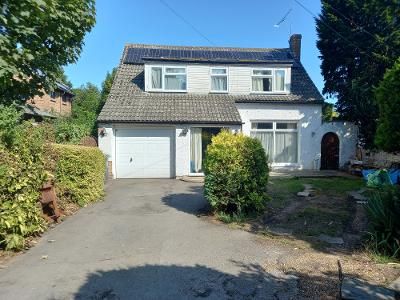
196 179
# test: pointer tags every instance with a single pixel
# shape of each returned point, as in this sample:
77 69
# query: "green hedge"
236 174
22 174
79 173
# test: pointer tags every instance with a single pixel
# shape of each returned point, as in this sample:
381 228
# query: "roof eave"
217 61
99 120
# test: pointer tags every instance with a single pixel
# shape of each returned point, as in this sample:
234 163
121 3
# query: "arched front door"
330 152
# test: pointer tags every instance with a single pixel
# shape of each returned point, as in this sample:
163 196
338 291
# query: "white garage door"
144 153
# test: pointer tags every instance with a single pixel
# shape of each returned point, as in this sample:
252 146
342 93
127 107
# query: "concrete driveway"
145 241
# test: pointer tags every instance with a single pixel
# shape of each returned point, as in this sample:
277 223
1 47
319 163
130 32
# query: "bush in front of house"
236 174
383 211
22 174
79 173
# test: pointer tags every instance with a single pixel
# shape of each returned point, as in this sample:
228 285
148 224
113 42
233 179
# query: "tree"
358 40
328 112
106 87
388 97
37 38
85 105
63 78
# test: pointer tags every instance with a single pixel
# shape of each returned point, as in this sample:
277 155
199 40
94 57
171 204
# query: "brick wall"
54 105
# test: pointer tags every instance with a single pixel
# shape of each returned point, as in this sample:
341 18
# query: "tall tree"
86 105
388 97
106 86
37 38
358 41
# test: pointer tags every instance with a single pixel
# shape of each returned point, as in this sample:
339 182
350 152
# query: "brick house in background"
51 105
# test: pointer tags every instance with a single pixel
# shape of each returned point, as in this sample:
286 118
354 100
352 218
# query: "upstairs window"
175 79
268 80
167 78
219 80
262 81
156 78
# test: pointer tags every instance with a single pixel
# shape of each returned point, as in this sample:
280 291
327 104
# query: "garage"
144 152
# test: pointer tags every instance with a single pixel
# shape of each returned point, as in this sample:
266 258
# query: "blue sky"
234 23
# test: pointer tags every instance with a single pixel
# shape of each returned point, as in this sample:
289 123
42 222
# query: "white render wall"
348 138
311 130
182 143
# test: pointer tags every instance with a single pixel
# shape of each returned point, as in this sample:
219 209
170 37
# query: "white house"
167 102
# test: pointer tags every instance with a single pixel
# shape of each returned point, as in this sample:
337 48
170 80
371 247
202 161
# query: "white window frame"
273 70
219 75
274 130
163 74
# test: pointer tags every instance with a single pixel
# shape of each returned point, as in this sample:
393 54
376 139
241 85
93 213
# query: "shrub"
21 176
70 131
236 174
79 173
383 210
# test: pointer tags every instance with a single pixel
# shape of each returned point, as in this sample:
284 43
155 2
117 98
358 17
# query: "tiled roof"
64 88
128 102
34 111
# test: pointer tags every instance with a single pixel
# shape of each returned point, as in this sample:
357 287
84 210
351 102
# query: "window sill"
269 93
219 92
166 91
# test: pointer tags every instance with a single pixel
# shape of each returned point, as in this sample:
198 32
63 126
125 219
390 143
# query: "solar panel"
136 55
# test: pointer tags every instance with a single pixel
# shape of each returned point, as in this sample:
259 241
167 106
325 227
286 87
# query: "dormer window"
167 78
219 80
268 80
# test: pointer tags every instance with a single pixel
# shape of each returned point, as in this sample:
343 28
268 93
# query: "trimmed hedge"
79 173
236 174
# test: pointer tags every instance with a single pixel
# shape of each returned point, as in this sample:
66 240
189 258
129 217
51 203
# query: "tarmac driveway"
145 241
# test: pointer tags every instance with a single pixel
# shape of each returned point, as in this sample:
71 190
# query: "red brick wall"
53 105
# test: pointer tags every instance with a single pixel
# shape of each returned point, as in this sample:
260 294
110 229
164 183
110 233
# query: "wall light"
102 132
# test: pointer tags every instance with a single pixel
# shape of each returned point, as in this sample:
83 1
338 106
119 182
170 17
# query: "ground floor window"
200 139
279 139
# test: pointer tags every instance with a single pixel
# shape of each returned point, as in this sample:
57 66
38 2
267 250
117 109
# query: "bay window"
268 80
219 80
167 78
279 139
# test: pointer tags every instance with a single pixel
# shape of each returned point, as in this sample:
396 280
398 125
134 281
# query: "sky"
235 23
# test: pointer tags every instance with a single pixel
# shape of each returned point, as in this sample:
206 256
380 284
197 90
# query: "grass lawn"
328 212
